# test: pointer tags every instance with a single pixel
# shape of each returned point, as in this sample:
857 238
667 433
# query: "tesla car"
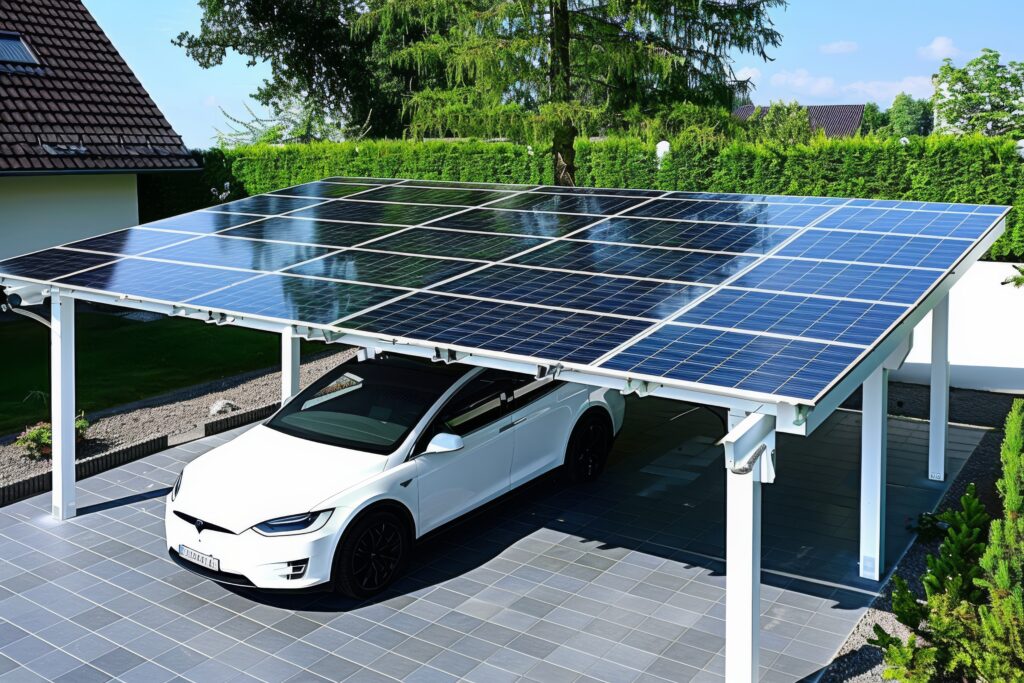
338 485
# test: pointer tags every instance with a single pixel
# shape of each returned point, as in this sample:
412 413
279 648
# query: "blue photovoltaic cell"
930 223
613 259
851 322
788 215
287 298
506 328
532 223
368 181
385 269
898 250
51 263
455 244
740 239
201 222
610 191
375 212
991 210
132 241
170 282
432 195
854 281
239 253
768 365
324 190
466 185
568 203
622 296
308 231
265 204
770 198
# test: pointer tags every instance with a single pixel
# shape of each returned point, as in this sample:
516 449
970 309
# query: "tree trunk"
563 152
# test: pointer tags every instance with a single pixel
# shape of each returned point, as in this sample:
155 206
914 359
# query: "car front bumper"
251 559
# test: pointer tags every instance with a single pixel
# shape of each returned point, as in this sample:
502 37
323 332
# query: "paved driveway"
617 581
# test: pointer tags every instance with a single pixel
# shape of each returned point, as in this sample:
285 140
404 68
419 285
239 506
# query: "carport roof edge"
604 213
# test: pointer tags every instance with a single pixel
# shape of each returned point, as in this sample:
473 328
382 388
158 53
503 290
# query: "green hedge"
936 168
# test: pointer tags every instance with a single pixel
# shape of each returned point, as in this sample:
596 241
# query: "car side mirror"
444 443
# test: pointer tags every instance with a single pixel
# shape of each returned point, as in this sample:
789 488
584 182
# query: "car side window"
475 405
527 389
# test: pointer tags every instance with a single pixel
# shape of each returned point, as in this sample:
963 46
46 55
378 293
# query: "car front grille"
206 526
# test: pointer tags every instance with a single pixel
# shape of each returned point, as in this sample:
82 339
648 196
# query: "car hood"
264 474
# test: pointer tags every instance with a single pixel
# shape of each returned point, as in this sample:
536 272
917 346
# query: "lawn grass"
119 361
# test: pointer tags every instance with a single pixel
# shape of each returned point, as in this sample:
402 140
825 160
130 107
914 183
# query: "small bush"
971 624
38 439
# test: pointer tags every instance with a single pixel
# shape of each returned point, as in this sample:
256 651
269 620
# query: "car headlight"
294 524
177 486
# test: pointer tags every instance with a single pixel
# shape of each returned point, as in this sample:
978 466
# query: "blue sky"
832 52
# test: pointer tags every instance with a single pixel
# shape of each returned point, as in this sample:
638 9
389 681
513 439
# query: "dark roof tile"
82 92
837 120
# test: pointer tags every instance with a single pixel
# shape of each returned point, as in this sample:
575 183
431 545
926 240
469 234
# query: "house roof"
837 120
80 109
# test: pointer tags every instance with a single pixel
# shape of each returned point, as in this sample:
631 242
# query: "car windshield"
369 405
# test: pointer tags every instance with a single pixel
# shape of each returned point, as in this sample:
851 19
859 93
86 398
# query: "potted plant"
38 439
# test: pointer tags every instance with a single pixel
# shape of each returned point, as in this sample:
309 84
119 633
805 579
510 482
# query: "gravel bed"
180 414
856 659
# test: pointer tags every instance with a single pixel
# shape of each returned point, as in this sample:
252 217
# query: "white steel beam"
743 570
62 403
874 434
938 426
289 364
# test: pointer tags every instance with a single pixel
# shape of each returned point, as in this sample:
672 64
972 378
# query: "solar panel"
740 239
764 297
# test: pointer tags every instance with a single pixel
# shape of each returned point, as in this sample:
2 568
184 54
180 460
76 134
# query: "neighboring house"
76 127
836 120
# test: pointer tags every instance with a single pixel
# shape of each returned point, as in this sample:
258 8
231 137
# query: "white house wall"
985 333
43 211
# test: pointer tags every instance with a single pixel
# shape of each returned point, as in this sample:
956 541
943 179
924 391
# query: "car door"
453 483
541 418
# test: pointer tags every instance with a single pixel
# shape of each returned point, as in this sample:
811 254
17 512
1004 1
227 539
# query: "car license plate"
208 561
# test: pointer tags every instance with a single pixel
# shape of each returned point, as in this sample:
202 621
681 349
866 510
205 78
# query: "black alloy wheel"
372 554
588 448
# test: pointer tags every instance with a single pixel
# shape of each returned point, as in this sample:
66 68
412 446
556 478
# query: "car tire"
588 448
373 552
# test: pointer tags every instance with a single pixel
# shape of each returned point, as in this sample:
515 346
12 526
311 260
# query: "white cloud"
940 48
748 72
839 47
802 82
883 92
210 101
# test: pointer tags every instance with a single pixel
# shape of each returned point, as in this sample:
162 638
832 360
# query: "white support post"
938 426
874 433
62 403
289 364
743 571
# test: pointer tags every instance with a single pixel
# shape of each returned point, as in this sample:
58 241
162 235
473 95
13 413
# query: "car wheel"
588 448
372 553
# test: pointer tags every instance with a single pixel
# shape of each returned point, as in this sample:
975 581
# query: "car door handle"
512 424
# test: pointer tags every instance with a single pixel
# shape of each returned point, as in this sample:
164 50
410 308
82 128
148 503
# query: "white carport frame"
743 489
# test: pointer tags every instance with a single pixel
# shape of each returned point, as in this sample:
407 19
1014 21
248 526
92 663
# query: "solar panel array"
761 295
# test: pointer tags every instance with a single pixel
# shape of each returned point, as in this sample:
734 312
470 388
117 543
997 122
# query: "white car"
337 486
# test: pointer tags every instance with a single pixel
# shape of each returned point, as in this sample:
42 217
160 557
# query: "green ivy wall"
936 168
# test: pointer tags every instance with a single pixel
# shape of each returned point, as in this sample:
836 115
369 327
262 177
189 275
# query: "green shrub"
971 623
971 169
38 439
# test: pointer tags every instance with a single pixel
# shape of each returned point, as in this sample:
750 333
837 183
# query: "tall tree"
313 55
909 116
554 69
984 96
